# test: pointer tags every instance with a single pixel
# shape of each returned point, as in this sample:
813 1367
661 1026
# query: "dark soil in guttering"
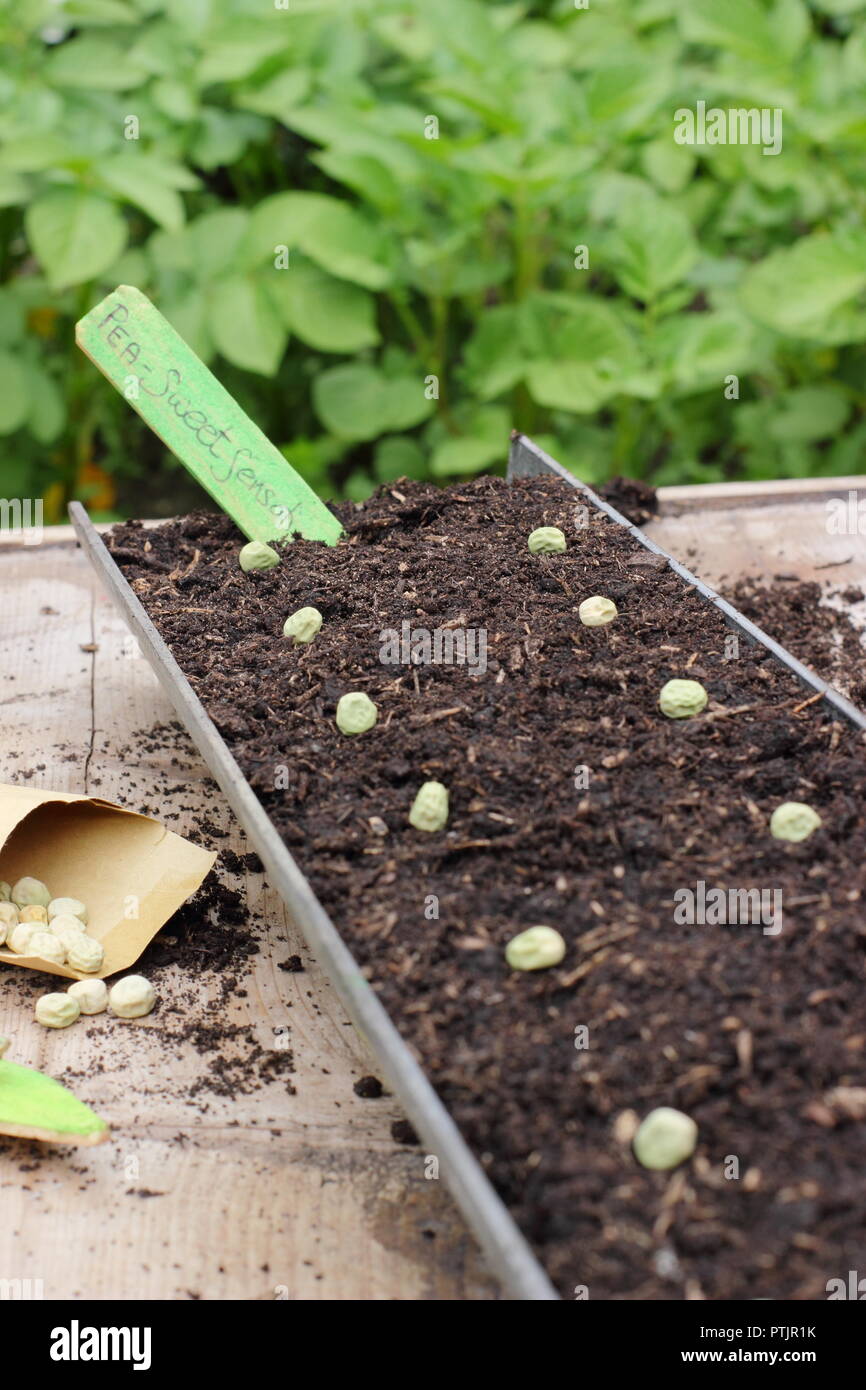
759 1038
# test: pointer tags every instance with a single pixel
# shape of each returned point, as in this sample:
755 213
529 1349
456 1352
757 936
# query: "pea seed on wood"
132 997
57 1010
90 995
5 892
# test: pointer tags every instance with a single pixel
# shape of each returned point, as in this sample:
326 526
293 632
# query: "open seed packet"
130 871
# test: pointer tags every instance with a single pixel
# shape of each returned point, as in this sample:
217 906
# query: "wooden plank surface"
263 1195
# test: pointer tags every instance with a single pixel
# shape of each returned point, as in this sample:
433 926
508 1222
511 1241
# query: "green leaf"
366 174
627 93
670 166
14 398
214 240
174 99
652 247
572 386
188 314
809 413
245 325
466 455
12 189
356 401
331 233
327 314
797 288
82 12
74 235
278 96
399 457
237 54
32 153
95 64
46 413
133 181
740 26
493 358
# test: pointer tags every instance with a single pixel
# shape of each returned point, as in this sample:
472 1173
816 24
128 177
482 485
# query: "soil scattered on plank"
573 802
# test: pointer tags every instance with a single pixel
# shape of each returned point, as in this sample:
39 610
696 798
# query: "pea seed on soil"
759 1039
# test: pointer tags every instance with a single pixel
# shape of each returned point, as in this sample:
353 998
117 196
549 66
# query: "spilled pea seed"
57 1010
90 995
132 997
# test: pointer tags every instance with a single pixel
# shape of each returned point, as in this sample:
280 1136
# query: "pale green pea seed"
303 625
30 892
680 699
430 807
257 556
793 820
537 948
665 1138
356 713
597 611
546 540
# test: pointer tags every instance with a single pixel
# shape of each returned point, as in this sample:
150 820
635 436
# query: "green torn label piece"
182 401
35 1106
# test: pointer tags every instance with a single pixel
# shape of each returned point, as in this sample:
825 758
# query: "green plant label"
181 400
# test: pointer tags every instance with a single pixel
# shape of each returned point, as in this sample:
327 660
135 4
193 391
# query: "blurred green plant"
369 215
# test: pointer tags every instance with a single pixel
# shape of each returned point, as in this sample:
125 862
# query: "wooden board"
269 1196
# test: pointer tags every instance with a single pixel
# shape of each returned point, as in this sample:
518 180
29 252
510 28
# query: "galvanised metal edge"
507 1251
526 460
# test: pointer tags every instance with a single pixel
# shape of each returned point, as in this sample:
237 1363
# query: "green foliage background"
411 257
